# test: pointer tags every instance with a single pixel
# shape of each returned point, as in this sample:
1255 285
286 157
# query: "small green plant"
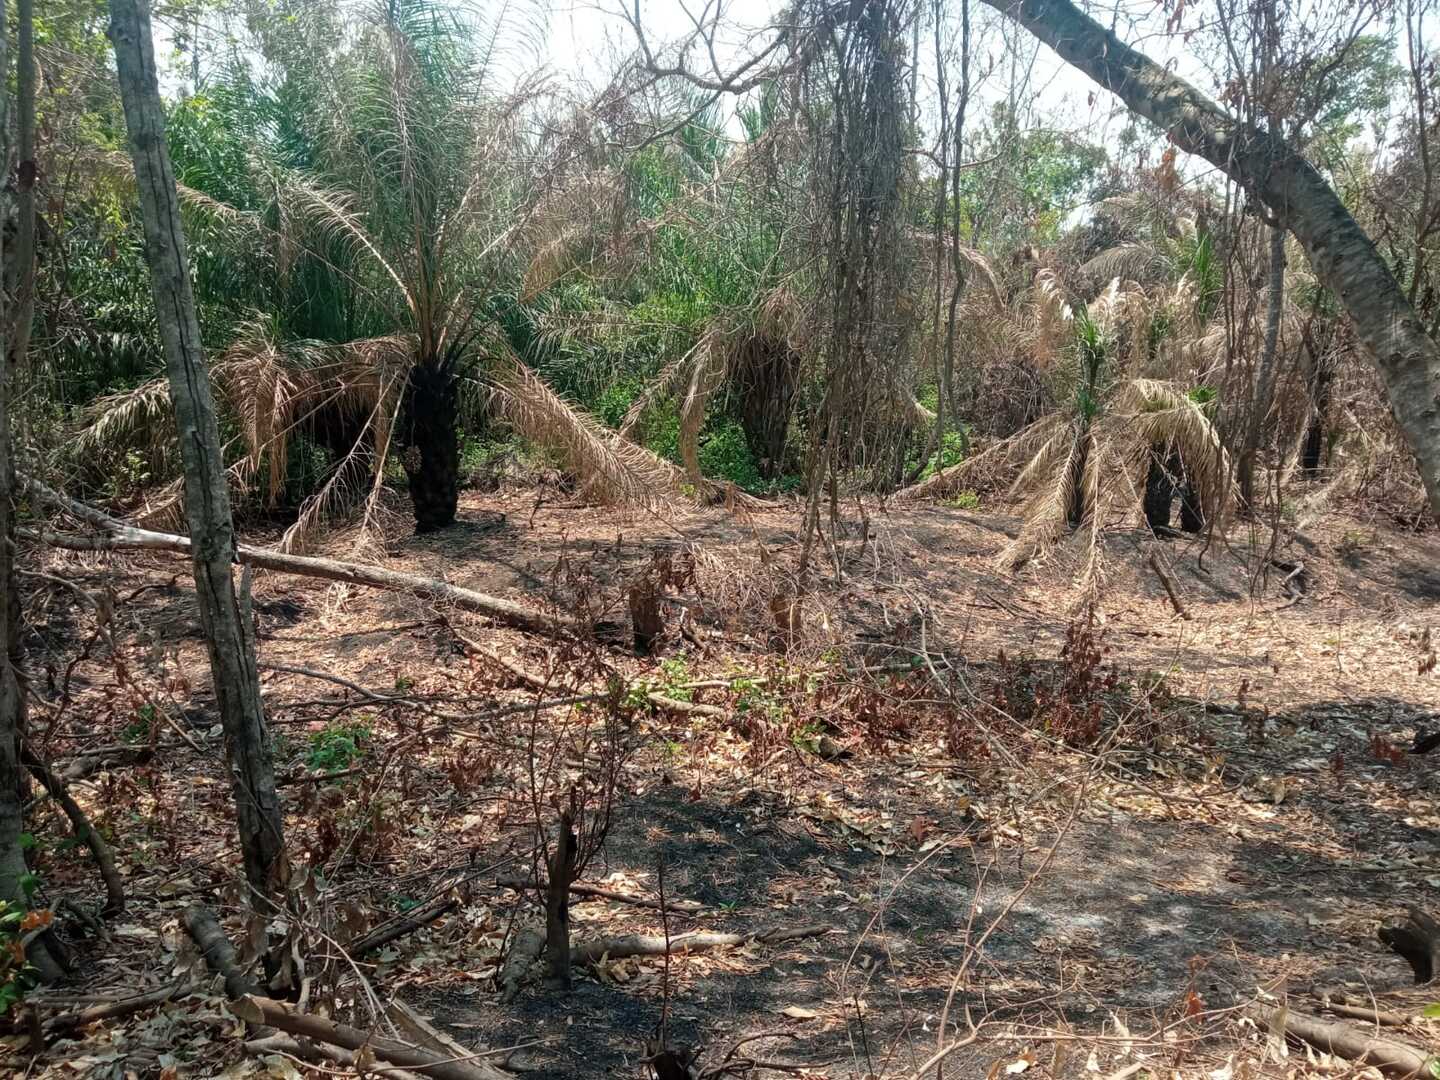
953 447
17 975
138 730
725 453
965 500
404 683
807 736
337 747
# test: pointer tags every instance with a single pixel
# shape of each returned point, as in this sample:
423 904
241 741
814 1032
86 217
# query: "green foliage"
17 977
964 500
337 747
954 445
725 454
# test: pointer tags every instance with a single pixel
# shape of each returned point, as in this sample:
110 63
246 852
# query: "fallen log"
520 883
525 950
1390 1057
282 1016
215 946
120 536
1171 590
589 952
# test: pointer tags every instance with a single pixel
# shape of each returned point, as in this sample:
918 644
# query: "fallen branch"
1170 588
120 536
84 831
400 926
1390 1057
318 1053
219 954
523 884
696 941
109 1010
88 762
285 1017
524 951
1384 1017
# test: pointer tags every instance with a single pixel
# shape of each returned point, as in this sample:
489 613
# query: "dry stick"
84 831
285 1017
307 1050
1374 1016
120 536
522 883
411 921
624 945
1390 1057
1169 583
109 1010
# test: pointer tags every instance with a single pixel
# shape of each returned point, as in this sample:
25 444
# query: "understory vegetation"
724 469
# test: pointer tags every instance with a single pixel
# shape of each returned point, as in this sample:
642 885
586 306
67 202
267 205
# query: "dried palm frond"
141 419
1158 414
666 383
1047 512
712 360
1137 261
610 468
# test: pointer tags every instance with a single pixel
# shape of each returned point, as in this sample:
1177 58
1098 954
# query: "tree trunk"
432 459
1160 490
560 870
767 377
1264 391
1312 452
14 874
1343 257
207 500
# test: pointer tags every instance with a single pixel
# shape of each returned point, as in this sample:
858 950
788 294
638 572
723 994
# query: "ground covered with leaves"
1056 839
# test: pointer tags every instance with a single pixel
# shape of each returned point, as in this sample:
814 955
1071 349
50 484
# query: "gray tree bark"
1342 255
13 871
207 500
1263 393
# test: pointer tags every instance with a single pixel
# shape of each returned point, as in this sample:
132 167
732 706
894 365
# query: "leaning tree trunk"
1263 393
207 500
1343 257
432 454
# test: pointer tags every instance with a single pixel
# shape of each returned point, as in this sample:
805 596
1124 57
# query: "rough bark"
1343 1040
207 500
1264 391
13 871
432 459
561 867
21 267
1342 255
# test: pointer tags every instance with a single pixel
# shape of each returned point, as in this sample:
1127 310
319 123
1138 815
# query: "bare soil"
1264 826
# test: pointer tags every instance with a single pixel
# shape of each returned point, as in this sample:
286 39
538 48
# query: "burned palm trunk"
1312 450
561 868
768 377
207 499
1160 489
432 451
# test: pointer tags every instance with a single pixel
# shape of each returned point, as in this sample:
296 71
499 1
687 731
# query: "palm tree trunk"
1264 392
432 459
1343 257
207 500
1159 497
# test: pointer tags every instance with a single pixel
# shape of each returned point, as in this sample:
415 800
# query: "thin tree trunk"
560 869
22 267
1342 255
14 874
207 501
1264 392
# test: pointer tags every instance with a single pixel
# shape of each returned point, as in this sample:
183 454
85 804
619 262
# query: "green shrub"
953 445
725 454
337 747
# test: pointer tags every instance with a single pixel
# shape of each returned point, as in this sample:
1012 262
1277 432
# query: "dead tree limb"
1390 1057
697 941
215 946
287 1018
525 949
319 1053
522 884
109 1010
118 536
400 926
1170 588
84 831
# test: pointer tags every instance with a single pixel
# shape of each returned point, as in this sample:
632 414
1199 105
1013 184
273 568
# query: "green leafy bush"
337 747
